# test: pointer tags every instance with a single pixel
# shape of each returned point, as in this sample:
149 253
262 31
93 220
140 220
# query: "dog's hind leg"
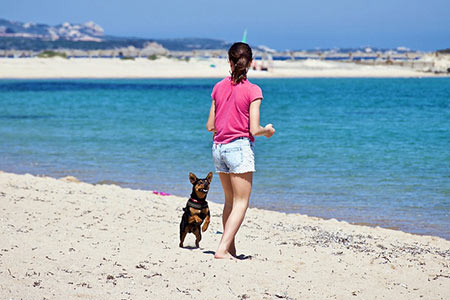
198 235
183 231
182 237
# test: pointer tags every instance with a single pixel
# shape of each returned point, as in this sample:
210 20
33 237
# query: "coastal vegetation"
50 54
32 44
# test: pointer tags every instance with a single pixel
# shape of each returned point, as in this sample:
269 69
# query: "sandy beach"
64 239
194 68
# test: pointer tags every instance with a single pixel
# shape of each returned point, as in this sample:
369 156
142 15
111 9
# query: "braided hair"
240 54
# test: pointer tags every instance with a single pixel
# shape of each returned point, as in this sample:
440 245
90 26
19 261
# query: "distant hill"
87 36
34 44
91 36
88 31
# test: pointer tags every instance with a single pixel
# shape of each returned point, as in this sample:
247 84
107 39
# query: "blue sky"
283 24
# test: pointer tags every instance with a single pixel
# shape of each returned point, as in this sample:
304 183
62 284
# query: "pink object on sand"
161 193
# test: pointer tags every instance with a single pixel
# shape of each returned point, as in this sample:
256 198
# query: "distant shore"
52 68
65 239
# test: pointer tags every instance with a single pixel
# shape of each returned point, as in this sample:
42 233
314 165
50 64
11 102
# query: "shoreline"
70 239
261 207
142 68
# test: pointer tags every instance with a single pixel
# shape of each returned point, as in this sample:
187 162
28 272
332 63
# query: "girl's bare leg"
241 185
228 191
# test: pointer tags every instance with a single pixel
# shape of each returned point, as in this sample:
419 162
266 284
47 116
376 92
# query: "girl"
234 120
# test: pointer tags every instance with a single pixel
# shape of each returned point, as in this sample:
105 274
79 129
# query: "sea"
372 151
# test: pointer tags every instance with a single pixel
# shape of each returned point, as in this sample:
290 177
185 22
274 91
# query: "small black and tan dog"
196 210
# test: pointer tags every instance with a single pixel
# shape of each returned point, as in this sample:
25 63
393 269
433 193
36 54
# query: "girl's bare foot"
223 255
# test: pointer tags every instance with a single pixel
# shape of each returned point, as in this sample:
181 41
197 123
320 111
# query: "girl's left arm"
211 119
255 128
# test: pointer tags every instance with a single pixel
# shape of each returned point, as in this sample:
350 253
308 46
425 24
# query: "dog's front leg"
207 220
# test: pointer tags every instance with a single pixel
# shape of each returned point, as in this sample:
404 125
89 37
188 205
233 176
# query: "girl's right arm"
211 119
255 128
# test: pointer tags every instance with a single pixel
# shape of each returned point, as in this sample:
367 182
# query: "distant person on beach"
234 120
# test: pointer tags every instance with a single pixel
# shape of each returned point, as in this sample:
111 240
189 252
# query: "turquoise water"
370 151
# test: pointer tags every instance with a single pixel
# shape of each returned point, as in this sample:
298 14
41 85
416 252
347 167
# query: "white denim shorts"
235 157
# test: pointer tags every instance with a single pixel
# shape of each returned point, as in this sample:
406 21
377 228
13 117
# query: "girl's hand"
269 130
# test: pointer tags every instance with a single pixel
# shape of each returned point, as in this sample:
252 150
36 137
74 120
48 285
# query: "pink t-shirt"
233 109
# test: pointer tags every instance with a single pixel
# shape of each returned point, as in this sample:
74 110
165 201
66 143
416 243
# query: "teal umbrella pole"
244 36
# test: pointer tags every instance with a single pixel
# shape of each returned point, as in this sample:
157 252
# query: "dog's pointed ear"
209 177
192 178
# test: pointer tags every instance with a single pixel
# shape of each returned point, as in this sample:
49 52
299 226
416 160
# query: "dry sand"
63 239
195 68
